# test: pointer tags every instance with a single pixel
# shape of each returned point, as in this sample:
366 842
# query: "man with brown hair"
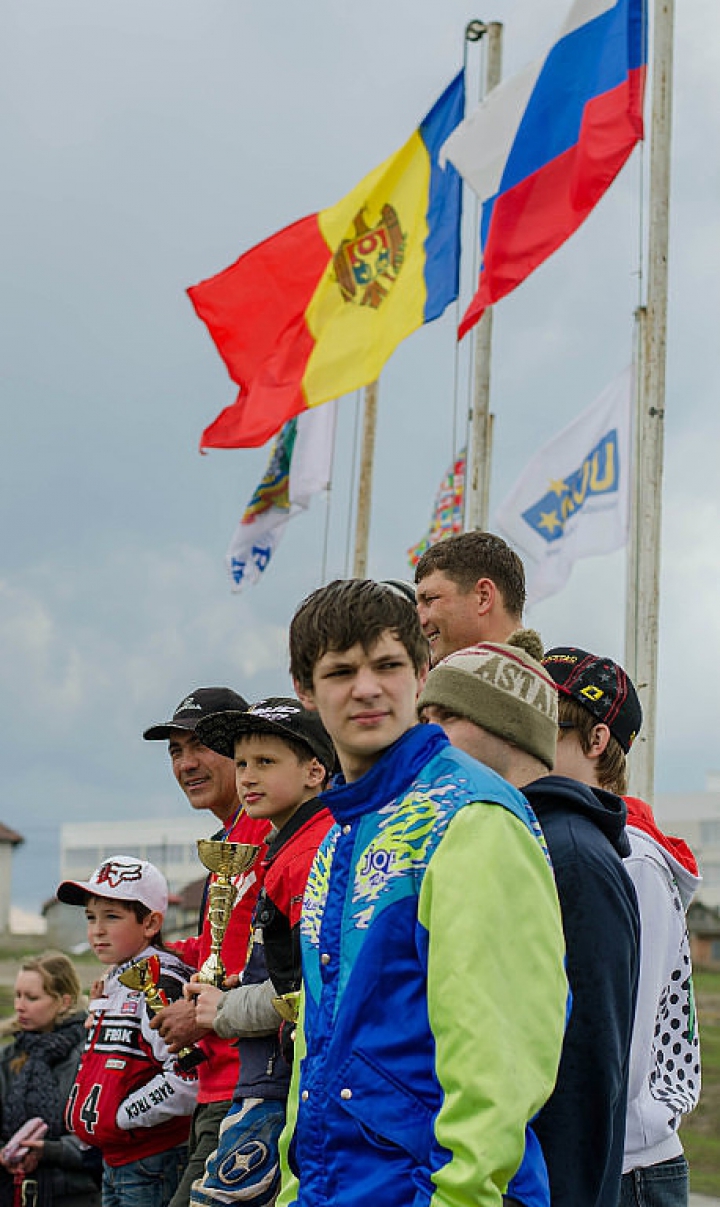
432 950
470 587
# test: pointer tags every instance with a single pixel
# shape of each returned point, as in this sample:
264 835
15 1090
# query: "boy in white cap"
130 1098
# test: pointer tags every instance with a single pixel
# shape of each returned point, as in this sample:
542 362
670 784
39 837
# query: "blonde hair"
58 976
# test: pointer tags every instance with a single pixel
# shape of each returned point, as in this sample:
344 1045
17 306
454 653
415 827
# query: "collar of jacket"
308 809
389 777
558 793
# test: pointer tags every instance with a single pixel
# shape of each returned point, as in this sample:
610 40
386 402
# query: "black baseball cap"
283 716
599 685
190 711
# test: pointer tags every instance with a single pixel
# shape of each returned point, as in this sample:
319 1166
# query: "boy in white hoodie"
599 716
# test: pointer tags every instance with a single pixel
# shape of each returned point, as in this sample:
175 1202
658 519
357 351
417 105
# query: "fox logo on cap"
115 873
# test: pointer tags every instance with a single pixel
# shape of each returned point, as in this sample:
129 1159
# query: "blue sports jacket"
434 990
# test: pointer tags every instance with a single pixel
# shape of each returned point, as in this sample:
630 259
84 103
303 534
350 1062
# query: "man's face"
465 735
206 778
366 701
449 617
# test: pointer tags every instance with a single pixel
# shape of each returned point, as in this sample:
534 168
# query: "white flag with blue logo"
300 466
573 500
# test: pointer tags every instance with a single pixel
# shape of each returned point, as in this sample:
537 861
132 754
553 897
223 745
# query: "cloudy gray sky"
144 146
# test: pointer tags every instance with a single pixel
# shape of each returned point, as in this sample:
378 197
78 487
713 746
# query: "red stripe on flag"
275 395
248 310
533 219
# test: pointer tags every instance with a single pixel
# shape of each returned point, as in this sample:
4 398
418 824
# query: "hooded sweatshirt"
582 1127
665 1053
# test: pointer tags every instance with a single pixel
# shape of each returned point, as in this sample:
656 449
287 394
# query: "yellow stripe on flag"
372 295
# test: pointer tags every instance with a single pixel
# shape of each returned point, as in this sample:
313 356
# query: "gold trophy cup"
144 975
225 859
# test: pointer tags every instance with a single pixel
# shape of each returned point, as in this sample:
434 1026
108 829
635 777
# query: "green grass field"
700 1132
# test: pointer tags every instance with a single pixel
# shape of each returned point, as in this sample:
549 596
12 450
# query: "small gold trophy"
287 1005
225 859
144 975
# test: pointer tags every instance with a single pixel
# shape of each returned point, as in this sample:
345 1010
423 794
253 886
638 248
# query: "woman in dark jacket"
37 1071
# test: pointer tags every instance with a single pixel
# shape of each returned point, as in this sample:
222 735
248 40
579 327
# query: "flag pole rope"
328 506
353 475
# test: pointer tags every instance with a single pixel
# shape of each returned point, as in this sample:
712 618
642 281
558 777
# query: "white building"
8 841
168 842
695 816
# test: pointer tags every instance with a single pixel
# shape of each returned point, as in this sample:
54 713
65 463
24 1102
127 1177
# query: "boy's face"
465 735
272 781
114 932
572 761
366 701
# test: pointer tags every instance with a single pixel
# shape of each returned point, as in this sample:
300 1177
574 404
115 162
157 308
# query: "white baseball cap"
121 878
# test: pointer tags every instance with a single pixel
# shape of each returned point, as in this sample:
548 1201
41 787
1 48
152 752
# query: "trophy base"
190 1058
212 972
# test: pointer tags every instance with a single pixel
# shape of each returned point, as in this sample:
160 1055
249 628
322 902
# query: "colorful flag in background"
300 466
546 144
573 500
315 311
447 516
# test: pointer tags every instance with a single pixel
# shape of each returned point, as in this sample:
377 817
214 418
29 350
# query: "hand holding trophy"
144 975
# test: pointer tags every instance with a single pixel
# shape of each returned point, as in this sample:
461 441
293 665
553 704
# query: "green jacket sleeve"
496 997
289 1183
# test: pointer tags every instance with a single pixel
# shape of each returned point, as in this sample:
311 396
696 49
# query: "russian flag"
544 146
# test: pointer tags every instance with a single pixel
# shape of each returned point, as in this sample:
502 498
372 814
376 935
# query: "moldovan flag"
573 500
448 512
545 145
315 311
300 466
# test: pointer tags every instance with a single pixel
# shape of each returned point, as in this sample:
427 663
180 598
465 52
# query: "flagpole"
480 441
646 530
364 496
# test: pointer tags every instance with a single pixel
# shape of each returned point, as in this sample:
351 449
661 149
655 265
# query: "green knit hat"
502 688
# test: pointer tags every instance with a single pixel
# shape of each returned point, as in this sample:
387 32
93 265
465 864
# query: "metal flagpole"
480 436
643 617
364 497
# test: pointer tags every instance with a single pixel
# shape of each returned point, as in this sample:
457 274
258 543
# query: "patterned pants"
245 1166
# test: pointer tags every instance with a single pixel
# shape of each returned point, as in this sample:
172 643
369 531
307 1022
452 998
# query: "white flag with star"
573 500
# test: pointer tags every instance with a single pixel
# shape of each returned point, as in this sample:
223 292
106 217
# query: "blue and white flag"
300 466
573 500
